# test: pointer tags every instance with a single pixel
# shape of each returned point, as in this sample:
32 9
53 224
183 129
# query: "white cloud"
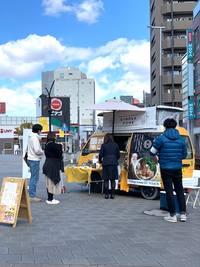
25 58
88 11
99 64
119 67
137 59
55 7
100 93
21 101
104 79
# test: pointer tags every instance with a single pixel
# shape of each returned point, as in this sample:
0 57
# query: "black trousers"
170 178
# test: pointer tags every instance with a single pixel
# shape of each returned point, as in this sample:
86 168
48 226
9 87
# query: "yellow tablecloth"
123 184
79 174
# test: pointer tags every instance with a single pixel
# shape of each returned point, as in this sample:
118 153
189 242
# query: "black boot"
112 189
106 196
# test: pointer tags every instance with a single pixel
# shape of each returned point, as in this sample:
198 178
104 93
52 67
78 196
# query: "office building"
73 83
146 99
127 98
196 62
176 17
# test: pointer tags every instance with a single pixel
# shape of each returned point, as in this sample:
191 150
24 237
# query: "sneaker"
183 217
35 199
170 218
54 201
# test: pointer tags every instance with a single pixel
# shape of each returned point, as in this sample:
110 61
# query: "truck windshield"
189 147
92 146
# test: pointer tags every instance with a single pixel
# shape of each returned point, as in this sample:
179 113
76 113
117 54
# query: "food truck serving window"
189 147
93 145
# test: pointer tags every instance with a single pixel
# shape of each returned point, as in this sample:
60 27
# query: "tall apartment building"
176 17
73 83
196 62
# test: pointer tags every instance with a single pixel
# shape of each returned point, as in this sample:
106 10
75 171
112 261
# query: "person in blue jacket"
171 149
108 156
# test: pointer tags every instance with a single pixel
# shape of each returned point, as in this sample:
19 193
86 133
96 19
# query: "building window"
82 82
176 72
196 40
198 107
197 73
61 75
7 146
70 73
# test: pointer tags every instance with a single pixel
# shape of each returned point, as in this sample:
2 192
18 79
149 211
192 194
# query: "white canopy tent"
114 105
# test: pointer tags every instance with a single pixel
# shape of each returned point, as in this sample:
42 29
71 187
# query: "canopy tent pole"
113 122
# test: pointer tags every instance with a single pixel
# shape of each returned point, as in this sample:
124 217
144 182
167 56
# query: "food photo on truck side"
134 134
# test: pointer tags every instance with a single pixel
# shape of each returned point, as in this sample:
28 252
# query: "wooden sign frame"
14 201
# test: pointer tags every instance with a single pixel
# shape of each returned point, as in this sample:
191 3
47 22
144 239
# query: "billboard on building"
136 101
60 109
191 109
189 44
190 73
7 131
2 107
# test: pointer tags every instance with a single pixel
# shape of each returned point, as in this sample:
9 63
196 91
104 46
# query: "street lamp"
160 75
43 96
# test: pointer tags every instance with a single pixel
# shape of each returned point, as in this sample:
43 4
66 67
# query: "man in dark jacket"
171 149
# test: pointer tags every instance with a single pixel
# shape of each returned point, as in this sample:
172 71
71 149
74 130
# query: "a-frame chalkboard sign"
14 201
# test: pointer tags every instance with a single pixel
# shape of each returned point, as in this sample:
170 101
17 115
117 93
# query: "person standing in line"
110 154
35 154
52 166
171 149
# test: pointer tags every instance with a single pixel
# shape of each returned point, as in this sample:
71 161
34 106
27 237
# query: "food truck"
135 133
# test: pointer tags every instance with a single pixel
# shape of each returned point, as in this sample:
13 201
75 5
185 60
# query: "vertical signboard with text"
60 107
191 109
189 44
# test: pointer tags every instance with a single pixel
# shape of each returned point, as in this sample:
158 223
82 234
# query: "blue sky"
106 39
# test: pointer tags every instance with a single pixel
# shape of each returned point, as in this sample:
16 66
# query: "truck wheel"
95 187
150 193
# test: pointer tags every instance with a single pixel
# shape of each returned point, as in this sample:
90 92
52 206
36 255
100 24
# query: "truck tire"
150 193
95 187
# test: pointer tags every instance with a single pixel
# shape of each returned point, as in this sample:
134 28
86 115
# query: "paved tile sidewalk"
91 231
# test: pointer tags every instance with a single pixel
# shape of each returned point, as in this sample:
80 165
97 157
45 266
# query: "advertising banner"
60 109
189 44
44 123
191 109
143 168
2 107
7 131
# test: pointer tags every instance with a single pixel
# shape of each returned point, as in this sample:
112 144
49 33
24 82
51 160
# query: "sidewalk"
92 231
